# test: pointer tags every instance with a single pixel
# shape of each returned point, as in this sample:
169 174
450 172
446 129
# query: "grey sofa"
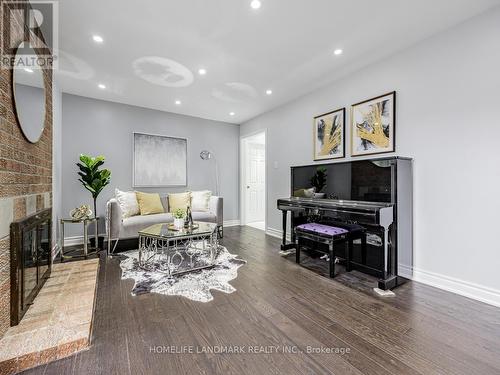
118 228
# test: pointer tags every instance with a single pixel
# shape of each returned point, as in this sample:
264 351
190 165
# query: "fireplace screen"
29 267
30 260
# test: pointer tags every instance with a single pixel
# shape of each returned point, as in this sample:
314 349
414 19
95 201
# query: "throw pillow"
149 204
179 200
127 201
200 200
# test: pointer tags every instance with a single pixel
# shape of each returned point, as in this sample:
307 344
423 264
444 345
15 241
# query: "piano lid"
355 180
334 203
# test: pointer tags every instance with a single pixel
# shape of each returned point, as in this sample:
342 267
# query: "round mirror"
29 98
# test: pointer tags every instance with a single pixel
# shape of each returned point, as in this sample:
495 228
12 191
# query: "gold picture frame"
329 135
373 125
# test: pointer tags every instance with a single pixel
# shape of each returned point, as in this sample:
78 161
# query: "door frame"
243 148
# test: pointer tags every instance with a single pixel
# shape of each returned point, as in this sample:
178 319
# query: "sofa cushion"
179 200
204 216
128 203
149 204
132 225
322 230
200 200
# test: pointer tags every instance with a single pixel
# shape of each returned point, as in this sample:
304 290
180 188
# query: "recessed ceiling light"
97 38
231 113
338 52
255 4
202 71
178 102
269 92
28 70
101 86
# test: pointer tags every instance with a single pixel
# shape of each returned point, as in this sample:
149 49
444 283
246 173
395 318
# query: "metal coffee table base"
175 256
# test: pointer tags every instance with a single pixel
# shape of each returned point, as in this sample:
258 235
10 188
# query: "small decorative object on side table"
85 221
81 212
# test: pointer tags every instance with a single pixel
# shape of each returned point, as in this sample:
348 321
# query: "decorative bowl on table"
81 213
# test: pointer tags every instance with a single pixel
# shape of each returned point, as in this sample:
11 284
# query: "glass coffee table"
175 251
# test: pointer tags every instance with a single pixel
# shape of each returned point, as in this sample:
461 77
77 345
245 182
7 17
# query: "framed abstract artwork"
159 161
329 135
373 125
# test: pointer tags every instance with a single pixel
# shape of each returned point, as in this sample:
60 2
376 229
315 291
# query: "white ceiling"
286 45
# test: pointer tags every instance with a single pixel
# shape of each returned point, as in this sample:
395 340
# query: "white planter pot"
179 223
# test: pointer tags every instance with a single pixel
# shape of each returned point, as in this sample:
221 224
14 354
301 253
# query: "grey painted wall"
447 120
99 127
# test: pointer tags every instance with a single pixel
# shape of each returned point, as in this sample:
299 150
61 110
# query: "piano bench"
332 236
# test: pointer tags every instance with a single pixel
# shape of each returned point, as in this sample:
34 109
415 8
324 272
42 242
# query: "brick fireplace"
25 175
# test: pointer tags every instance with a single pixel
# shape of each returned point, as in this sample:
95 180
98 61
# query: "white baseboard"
277 233
231 223
457 286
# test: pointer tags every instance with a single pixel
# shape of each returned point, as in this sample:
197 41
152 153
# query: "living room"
249 186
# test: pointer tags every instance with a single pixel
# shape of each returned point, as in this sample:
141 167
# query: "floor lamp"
207 155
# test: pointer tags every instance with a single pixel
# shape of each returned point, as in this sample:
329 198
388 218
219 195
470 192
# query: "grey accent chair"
119 228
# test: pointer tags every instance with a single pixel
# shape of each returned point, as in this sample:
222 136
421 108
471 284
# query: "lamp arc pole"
207 155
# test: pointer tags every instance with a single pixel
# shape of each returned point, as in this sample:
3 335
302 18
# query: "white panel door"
255 183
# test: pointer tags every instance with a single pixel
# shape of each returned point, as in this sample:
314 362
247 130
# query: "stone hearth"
58 323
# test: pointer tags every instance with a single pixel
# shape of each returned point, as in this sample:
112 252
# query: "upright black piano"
376 194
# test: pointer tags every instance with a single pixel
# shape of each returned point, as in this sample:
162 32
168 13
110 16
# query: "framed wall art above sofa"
159 161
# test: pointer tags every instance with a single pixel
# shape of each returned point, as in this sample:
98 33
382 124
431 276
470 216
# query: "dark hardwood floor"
422 330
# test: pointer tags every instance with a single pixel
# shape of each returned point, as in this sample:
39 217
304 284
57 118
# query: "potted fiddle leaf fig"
93 178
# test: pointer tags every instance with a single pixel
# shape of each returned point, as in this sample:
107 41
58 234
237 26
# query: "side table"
86 247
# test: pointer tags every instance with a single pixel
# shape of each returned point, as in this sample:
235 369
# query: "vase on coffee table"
179 223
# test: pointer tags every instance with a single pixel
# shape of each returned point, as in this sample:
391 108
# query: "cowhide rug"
195 285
